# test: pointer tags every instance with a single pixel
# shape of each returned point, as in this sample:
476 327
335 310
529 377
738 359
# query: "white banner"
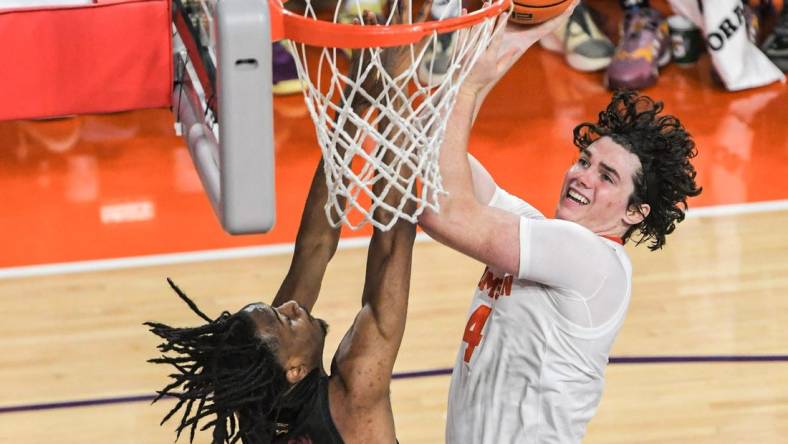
738 61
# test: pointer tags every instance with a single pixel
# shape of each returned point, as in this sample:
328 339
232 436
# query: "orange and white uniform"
531 365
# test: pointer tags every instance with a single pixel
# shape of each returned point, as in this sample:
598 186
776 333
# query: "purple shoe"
285 74
643 48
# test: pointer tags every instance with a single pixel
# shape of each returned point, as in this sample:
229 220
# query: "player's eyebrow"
603 165
610 170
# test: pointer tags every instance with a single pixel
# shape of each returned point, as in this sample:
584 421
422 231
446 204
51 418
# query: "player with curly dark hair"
555 291
666 177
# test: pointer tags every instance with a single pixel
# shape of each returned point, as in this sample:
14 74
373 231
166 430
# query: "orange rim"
313 32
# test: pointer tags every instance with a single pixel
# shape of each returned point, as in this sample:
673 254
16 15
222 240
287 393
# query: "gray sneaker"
437 59
776 44
584 46
439 54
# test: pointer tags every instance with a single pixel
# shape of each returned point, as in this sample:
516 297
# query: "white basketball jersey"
531 365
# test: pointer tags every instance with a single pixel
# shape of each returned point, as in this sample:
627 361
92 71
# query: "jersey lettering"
473 329
495 287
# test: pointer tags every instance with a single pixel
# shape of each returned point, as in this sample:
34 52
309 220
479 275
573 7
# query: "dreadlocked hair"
666 177
223 369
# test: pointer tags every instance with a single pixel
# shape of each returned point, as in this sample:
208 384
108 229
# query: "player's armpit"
364 361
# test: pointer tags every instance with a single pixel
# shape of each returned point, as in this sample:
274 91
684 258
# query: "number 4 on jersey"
473 329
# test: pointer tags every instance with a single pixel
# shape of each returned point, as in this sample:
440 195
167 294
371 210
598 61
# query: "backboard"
223 106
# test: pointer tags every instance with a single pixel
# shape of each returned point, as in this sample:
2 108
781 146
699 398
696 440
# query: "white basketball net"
406 121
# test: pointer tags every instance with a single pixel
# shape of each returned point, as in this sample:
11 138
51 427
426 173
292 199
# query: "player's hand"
509 43
394 60
487 69
397 59
359 60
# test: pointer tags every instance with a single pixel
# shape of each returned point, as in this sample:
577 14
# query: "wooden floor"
73 348
717 289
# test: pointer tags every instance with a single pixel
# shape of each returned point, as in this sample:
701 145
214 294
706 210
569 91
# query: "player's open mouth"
577 197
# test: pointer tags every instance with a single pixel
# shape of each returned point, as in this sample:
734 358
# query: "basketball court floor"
98 210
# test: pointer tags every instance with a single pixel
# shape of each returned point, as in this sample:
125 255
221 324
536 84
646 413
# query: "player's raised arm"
365 358
317 240
493 239
315 245
375 337
464 223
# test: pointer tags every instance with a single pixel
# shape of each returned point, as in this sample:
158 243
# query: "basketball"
531 12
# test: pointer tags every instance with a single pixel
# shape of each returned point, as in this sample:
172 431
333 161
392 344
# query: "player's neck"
615 234
613 231
616 239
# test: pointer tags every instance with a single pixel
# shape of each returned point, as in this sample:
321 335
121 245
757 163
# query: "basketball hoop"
406 116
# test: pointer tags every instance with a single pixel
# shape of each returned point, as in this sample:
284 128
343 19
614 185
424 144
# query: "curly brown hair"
666 177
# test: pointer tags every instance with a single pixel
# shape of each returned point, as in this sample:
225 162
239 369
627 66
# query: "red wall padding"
98 58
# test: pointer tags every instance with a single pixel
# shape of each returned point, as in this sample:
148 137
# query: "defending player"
257 374
555 291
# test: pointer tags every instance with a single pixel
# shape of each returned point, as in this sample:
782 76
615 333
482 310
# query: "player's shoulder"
570 229
582 239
